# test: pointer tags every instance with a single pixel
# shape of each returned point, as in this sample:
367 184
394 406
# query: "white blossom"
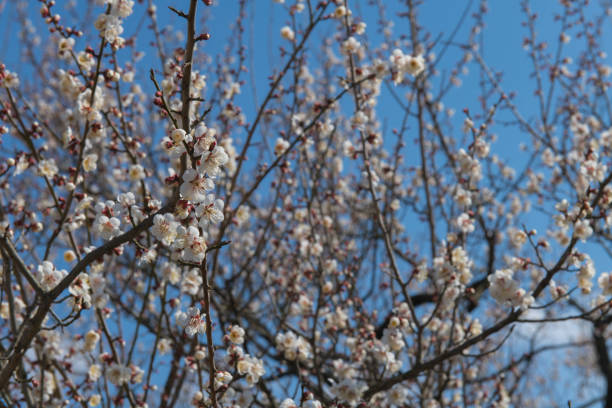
582 229
605 283
193 322
107 227
211 161
236 334
194 186
118 374
47 168
49 276
164 228
287 33
465 223
281 146
505 289
351 46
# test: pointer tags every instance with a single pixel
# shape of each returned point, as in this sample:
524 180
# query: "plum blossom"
211 161
193 244
48 276
340 11
136 172
348 149
109 27
8 79
236 334
359 120
351 46
90 162
222 377
252 367
193 321
164 228
585 276
465 223
288 403
312 403
405 64
122 8
170 273
287 33
80 290
119 374
232 89
281 146
47 168
178 136
397 395
85 60
107 227
64 47
582 230
91 340
481 148
194 186
210 211
293 347
360 28
517 237
504 289
592 169
463 197
164 346
191 282
605 283
349 390
469 166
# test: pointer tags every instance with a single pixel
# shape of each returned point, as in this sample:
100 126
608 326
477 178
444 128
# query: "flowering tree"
165 242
